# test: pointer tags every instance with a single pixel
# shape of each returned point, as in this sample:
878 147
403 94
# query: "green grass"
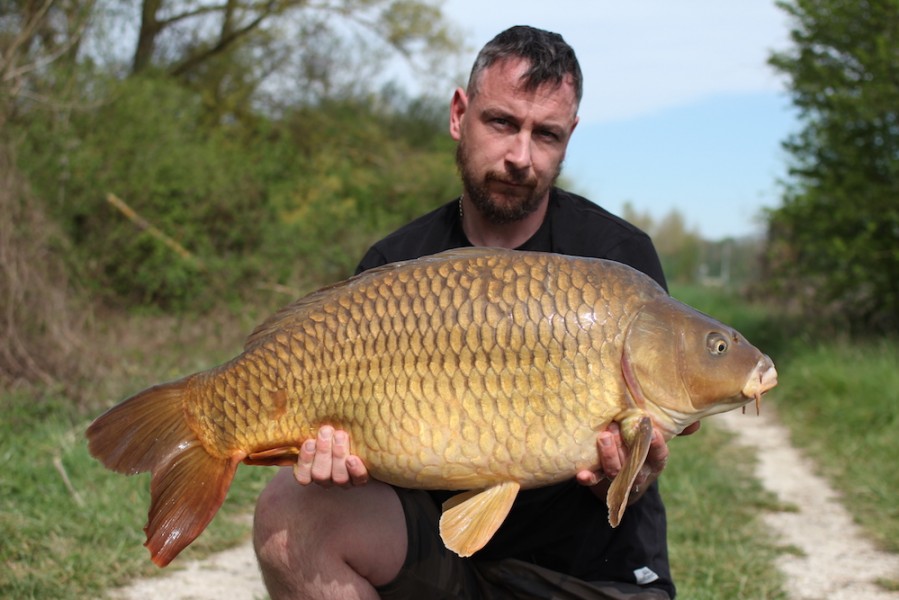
73 542
841 402
718 547
60 540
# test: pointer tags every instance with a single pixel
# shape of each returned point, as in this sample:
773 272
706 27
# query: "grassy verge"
841 402
70 528
718 548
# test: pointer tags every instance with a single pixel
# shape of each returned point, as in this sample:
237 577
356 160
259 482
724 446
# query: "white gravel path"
837 562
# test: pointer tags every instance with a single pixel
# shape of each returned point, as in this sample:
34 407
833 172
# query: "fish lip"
762 379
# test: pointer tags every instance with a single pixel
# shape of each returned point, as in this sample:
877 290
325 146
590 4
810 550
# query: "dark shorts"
432 571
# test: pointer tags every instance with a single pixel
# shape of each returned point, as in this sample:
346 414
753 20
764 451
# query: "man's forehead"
504 82
511 75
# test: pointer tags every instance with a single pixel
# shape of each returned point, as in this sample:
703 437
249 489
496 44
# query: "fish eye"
717 344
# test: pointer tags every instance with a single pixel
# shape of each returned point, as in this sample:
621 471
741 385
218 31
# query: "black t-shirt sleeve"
639 253
583 228
434 232
373 258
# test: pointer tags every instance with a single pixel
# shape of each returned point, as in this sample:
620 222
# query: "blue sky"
680 109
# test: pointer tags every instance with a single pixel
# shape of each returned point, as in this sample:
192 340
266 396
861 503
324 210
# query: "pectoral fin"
470 519
636 431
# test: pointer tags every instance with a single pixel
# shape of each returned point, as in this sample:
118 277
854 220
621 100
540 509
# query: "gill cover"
686 364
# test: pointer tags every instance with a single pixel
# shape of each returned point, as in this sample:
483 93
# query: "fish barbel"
476 369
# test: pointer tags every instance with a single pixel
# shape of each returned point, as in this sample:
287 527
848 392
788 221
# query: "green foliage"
288 201
239 151
237 56
834 244
358 179
687 258
678 246
145 146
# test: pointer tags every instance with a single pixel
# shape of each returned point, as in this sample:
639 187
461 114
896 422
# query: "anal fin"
470 519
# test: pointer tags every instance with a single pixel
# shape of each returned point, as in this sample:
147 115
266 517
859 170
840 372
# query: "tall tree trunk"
150 27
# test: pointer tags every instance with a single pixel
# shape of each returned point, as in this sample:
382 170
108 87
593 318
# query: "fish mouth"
761 380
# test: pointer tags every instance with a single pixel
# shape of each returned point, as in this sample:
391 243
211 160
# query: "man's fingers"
302 471
321 464
356 469
657 458
327 461
691 429
339 474
589 478
611 455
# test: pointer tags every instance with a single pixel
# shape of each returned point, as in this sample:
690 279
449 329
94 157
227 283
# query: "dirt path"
231 574
837 562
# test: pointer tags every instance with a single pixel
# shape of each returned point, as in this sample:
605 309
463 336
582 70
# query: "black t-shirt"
563 527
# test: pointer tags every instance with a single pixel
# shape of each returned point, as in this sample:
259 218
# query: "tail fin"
150 432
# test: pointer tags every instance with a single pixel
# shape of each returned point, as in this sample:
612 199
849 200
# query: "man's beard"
495 211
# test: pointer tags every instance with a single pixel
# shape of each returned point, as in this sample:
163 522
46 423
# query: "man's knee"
271 525
299 530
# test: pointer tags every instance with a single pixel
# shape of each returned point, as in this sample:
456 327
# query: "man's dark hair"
549 56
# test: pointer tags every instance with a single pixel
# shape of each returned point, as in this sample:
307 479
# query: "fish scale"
476 369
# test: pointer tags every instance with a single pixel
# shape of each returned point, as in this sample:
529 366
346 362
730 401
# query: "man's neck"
481 232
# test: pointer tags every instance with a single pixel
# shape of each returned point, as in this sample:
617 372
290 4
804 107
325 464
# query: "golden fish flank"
481 369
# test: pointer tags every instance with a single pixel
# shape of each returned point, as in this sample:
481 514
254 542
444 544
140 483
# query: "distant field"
71 529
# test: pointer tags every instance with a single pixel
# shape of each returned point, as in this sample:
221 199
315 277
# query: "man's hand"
613 454
327 461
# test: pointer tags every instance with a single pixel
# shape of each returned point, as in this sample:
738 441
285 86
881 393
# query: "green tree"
678 247
240 52
834 243
39 45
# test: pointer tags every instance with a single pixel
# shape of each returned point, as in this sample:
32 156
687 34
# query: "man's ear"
577 119
458 107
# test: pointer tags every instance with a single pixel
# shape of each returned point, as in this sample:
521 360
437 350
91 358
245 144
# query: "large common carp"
475 369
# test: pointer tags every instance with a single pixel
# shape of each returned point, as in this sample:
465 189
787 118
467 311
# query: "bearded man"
372 540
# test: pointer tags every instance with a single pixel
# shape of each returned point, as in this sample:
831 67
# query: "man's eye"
549 136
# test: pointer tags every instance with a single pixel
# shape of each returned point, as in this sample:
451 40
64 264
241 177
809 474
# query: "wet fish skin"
474 369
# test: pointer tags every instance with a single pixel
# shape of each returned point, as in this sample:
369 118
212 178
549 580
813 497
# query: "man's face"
511 142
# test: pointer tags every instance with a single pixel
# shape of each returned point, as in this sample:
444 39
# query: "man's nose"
518 154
